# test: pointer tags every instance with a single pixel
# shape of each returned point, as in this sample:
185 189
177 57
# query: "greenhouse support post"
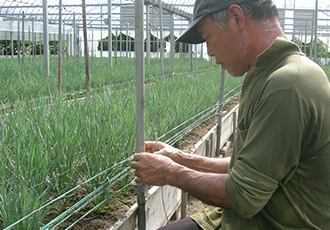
234 126
139 97
148 36
116 46
29 32
312 40
6 44
33 43
126 43
305 49
74 39
59 46
109 34
40 39
315 28
11 44
161 38
172 43
101 18
23 38
191 57
184 204
222 86
208 148
85 46
46 39
195 57
18 43
62 46
92 48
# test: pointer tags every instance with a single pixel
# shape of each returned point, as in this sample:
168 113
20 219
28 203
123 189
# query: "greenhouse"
84 83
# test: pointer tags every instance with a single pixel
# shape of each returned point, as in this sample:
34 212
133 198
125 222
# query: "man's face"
227 45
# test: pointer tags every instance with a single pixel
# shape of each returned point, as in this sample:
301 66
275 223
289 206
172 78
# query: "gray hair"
260 10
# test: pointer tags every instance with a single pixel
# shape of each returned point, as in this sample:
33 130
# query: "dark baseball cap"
201 9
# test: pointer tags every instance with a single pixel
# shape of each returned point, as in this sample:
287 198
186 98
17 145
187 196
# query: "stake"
139 92
217 151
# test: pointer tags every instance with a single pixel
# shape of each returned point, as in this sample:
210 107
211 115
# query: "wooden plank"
155 213
128 222
226 132
155 206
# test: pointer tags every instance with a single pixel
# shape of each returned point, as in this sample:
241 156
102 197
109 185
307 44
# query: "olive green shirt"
279 176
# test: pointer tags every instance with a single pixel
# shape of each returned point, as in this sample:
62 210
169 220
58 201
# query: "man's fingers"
150 146
137 156
133 164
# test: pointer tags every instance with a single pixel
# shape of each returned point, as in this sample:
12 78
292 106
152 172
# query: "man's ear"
235 12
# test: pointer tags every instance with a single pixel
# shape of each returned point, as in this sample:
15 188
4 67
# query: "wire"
63 195
162 187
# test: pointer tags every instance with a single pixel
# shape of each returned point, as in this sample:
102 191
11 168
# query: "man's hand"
163 149
151 169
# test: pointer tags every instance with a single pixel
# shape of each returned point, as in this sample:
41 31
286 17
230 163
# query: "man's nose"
209 49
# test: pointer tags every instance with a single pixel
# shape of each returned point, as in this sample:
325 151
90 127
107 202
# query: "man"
278 176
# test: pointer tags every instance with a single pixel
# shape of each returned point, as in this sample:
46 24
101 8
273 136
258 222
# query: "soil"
120 204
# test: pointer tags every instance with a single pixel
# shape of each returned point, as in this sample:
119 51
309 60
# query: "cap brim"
191 35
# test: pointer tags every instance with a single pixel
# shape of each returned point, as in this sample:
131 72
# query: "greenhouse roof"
97 10
122 10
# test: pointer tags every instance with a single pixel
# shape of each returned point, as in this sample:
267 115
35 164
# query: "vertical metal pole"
120 40
74 39
60 47
92 52
172 43
116 53
33 42
234 125
6 45
208 148
184 195
72 43
23 37
202 45
55 47
109 34
63 45
46 39
148 36
315 27
161 38
85 45
40 48
29 31
180 49
139 92
91 39
195 57
222 86
305 48
67 46
127 44
191 57
18 44
101 33
11 44
311 44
